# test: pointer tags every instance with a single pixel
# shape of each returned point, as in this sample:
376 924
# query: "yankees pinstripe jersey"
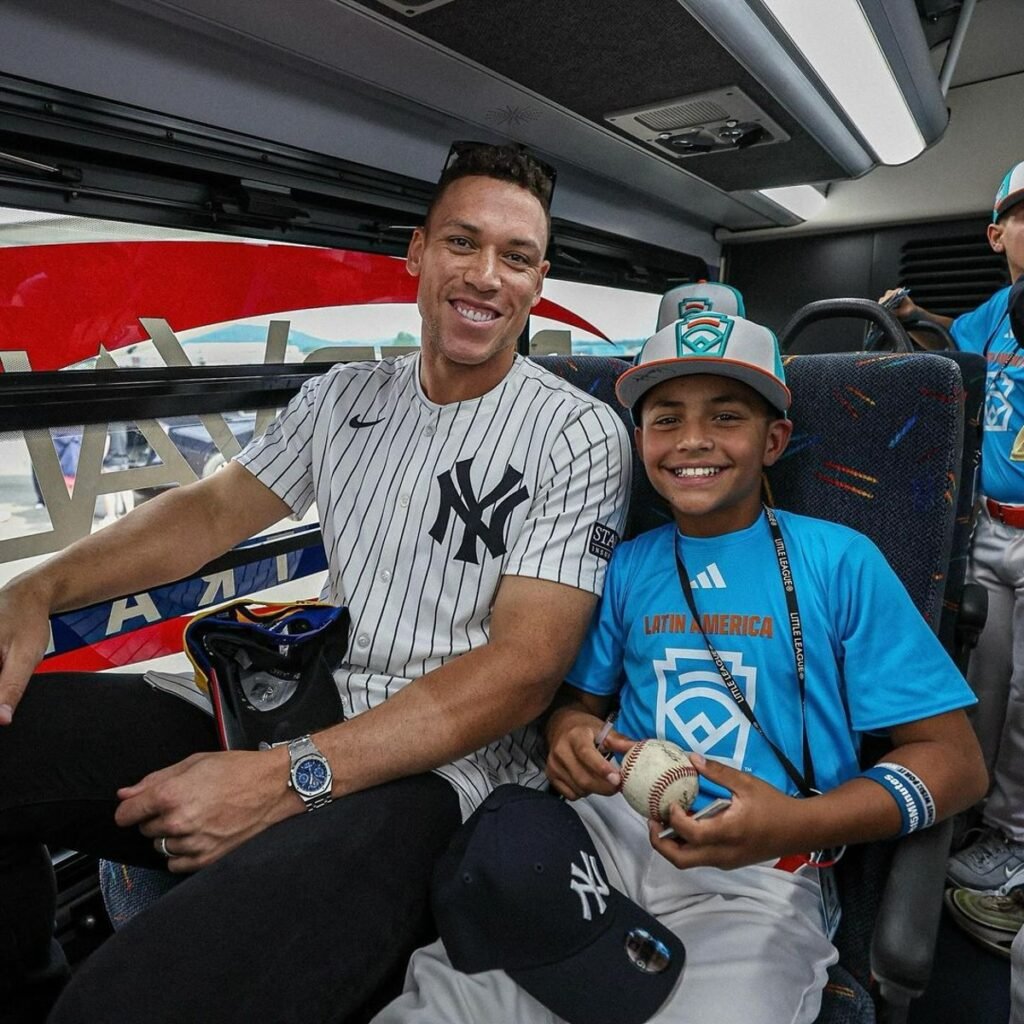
425 507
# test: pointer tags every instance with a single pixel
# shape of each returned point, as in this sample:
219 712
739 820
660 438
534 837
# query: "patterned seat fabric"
887 444
877 445
127 890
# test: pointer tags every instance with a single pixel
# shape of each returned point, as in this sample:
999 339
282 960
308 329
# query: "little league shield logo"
694 707
704 335
696 304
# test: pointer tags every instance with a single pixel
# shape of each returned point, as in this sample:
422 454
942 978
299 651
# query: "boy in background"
994 861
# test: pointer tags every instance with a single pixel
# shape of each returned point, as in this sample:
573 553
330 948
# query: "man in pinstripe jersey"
469 502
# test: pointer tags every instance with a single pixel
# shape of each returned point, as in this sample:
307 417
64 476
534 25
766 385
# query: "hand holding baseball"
760 824
575 765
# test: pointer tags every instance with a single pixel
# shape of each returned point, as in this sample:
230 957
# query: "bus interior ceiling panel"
588 84
268 92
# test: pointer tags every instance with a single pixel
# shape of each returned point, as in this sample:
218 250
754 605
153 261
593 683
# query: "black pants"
301 923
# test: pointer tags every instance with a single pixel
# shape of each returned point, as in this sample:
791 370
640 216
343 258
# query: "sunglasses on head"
462 152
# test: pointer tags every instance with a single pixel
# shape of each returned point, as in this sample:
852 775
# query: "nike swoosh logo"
356 422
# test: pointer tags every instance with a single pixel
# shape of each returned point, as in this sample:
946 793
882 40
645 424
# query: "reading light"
803 200
839 43
867 59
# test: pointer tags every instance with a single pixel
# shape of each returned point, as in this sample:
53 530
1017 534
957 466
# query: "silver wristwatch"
310 773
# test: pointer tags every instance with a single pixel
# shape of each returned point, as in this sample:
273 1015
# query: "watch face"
311 776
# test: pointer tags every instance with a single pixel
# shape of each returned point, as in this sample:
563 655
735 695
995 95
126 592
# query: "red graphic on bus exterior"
60 303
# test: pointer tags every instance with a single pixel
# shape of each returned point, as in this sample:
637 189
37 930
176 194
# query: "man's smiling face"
480 263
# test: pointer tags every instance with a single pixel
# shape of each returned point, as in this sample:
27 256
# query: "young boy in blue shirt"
696 621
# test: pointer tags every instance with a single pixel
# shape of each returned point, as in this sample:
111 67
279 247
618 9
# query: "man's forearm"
454 710
537 627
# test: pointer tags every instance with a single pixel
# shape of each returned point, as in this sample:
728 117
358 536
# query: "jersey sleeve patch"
602 541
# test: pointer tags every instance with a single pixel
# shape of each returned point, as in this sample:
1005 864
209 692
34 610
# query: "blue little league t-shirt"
871 660
986 330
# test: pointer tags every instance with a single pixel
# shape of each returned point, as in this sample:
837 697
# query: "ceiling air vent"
952 275
410 8
709 122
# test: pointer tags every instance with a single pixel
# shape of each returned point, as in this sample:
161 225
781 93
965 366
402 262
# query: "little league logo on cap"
709 342
703 335
1011 191
522 889
699 298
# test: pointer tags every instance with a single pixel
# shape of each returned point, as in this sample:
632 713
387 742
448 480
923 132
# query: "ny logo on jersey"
587 882
470 510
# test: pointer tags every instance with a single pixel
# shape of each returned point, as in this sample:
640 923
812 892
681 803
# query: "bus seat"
965 604
702 295
879 444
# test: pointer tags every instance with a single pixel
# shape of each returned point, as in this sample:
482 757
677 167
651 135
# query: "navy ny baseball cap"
1010 191
522 889
710 342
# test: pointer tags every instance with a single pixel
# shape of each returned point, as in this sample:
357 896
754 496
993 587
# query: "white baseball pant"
756 950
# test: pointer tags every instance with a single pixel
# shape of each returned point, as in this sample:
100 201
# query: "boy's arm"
908 308
763 824
576 765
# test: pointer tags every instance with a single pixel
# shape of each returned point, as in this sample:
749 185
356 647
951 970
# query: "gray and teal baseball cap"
699 297
709 342
1010 192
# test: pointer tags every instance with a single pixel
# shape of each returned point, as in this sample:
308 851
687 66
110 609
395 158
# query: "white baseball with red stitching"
656 774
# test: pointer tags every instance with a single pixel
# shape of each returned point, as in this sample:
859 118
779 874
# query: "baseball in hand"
655 775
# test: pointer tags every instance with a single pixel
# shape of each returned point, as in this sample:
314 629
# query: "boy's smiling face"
704 440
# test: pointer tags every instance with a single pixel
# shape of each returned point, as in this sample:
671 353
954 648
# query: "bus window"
622 319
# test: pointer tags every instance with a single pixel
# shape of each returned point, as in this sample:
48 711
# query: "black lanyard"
804 782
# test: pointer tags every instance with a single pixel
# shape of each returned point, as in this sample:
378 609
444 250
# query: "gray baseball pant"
996 670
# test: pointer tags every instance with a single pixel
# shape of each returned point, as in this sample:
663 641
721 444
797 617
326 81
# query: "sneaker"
993 863
991 919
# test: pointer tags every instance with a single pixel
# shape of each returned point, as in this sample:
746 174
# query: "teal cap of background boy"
709 342
1010 192
699 297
